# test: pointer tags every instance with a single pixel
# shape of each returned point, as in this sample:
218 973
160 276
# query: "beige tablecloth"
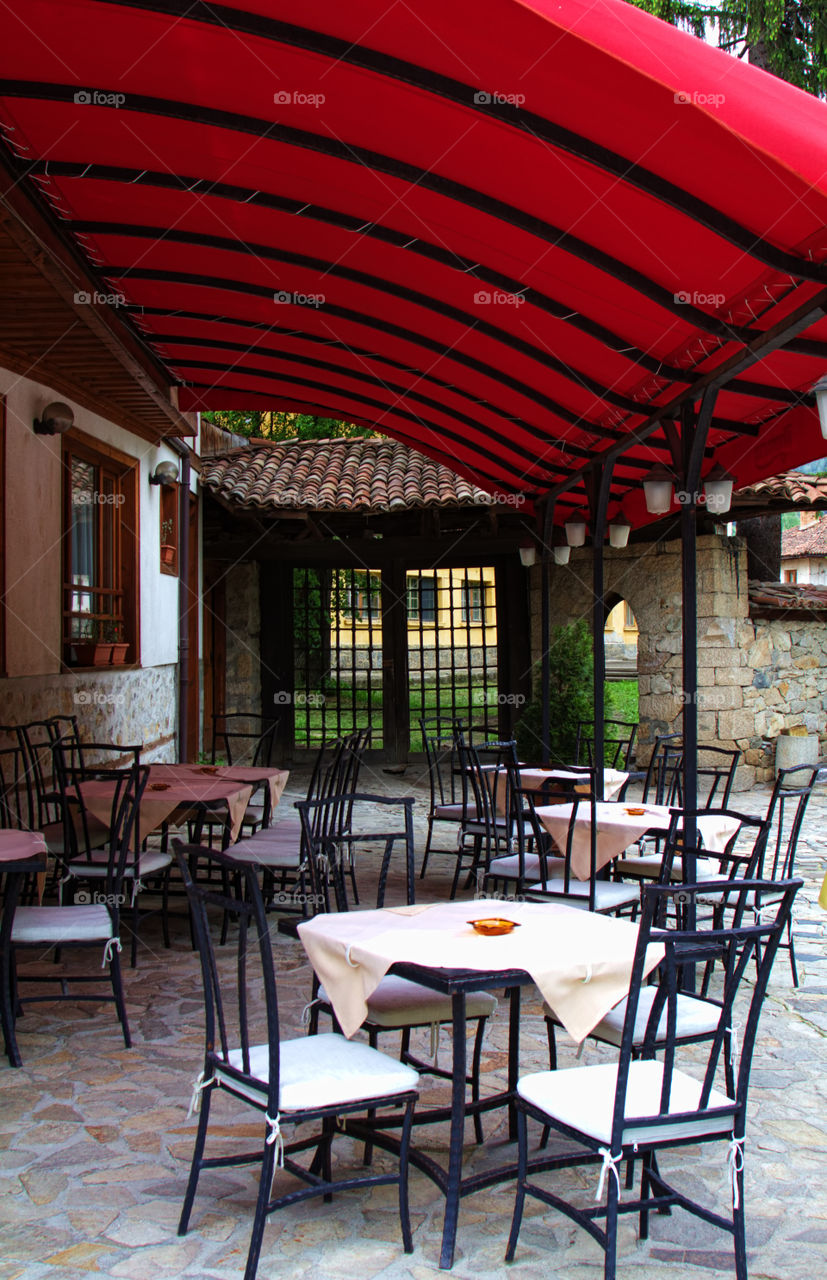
618 827
581 962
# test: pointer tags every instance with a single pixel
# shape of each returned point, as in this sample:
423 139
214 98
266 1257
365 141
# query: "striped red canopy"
513 235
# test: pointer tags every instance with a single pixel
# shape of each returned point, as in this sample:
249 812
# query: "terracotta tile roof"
376 475
794 487
809 541
771 598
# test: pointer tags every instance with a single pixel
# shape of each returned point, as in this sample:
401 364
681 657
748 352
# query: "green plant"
167 528
570 696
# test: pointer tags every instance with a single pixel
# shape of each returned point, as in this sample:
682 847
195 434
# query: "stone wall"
122 705
755 677
243 634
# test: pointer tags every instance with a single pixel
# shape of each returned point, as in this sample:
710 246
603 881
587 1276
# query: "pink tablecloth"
18 846
618 826
581 962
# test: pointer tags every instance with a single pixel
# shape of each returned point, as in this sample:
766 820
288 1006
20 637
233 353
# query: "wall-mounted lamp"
657 488
57 418
528 554
165 473
575 532
619 533
718 487
561 554
820 390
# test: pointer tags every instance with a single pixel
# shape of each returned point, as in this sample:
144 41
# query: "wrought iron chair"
662 1095
448 801
397 1004
245 735
93 920
324 1081
484 831
618 743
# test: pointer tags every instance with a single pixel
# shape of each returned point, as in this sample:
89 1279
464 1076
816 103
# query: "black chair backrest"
244 737
736 945
488 770
785 816
328 843
122 786
618 743
228 989
13 798
439 736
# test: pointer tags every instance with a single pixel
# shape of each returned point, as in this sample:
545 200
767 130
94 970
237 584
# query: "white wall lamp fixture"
820 392
575 531
718 488
56 419
619 530
166 473
657 487
528 554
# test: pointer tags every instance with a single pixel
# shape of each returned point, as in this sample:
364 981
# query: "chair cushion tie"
735 1164
609 1162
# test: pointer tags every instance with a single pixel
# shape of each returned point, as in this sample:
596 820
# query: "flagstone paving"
95 1141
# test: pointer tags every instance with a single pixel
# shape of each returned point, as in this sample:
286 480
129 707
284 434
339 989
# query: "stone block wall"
755 677
243 635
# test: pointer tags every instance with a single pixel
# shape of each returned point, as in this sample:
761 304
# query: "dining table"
620 825
580 962
176 788
22 853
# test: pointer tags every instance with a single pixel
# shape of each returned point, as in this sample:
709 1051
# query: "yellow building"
446 607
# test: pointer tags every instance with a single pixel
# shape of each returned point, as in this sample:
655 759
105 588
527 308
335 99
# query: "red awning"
508 234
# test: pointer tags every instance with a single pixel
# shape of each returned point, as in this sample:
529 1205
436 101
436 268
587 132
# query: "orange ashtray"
635 813
159 786
210 768
492 926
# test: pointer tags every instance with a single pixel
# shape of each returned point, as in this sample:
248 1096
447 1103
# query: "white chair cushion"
583 1098
398 1002
449 813
695 1017
508 868
324 1071
150 863
648 865
81 923
608 895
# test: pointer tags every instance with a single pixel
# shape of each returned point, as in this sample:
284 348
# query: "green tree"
571 696
272 424
786 37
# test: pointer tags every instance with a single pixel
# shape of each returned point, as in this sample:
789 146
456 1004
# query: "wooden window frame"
121 473
169 507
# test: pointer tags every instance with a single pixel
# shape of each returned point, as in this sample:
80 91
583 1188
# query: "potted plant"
168 548
113 631
93 650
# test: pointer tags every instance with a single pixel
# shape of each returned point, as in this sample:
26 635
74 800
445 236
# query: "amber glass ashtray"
159 786
492 926
210 768
635 812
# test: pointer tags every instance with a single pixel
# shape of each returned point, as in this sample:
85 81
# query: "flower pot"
119 652
93 653
167 554
795 749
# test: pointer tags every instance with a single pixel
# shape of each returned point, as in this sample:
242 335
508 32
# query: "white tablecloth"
618 826
581 962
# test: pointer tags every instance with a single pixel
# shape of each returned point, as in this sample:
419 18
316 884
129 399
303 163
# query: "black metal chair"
618 743
92 920
244 737
397 1004
484 831
324 1081
448 800
663 1094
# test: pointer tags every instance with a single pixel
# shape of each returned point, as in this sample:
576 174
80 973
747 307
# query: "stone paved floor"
95 1139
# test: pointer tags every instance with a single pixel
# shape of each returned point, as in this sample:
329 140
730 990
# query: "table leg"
513 1057
13 880
457 1139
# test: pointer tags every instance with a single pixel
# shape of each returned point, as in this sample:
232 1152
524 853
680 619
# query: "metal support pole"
599 502
545 628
